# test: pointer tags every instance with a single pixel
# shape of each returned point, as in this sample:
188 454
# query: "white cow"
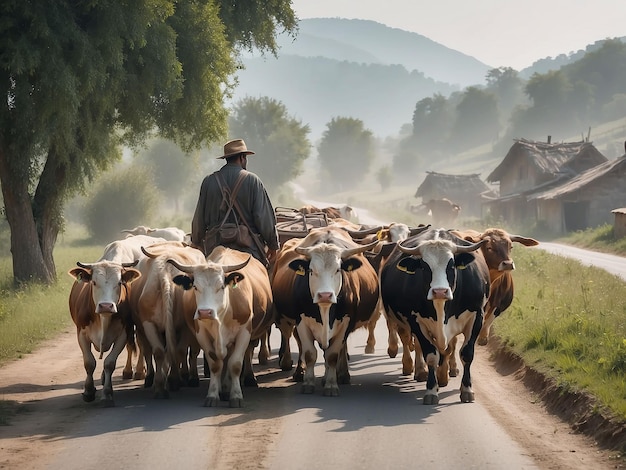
174 234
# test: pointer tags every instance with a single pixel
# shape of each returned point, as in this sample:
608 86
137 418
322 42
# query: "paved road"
612 263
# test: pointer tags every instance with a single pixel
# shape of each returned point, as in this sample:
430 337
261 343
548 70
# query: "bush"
121 200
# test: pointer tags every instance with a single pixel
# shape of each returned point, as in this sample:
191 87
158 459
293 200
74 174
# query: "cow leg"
235 365
343 372
194 352
451 359
286 329
216 364
249 380
483 336
264 348
421 369
109 368
431 397
89 361
467 356
370 345
160 359
127 372
298 374
309 352
392 341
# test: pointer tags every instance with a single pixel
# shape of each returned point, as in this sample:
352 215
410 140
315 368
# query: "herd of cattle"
153 293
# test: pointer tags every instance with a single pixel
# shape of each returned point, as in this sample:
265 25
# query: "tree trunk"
28 260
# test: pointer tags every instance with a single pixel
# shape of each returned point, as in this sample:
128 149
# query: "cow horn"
126 230
84 266
181 267
358 234
418 230
130 265
236 267
409 251
147 253
470 248
345 254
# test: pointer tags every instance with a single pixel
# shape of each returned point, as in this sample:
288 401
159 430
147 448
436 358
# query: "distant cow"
438 285
442 211
99 308
227 303
324 285
168 233
344 212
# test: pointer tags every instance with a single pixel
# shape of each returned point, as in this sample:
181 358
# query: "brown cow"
230 306
99 308
156 306
343 212
443 212
324 286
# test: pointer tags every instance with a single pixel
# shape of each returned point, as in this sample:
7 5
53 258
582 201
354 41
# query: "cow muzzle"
205 314
439 293
106 308
325 298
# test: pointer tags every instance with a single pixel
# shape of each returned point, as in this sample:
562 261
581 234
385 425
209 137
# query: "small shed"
465 190
619 224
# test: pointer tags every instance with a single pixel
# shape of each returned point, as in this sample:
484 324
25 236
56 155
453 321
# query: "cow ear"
130 275
80 274
300 266
463 259
409 264
351 264
233 278
183 281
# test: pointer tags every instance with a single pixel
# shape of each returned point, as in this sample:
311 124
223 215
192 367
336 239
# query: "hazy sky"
512 33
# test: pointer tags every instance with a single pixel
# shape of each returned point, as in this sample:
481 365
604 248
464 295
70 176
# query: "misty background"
354 105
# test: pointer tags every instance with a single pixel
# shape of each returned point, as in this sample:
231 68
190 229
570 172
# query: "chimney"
549 139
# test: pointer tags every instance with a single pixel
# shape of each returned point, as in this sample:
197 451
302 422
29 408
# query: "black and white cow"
438 285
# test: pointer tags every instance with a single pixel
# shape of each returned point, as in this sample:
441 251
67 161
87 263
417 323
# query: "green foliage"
120 200
346 152
280 141
477 119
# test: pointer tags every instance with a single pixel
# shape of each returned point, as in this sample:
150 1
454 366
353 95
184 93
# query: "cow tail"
170 330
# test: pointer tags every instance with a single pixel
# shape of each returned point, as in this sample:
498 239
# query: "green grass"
569 321
33 313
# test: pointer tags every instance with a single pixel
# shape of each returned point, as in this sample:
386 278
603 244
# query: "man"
252 199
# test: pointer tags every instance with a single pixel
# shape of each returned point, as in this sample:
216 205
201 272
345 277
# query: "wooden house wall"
520 177
550 215
619 225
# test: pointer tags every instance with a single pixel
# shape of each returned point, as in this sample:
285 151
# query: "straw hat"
234 147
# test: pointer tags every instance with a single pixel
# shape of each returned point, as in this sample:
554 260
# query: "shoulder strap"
230 195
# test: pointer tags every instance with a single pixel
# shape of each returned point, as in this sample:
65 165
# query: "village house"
561 187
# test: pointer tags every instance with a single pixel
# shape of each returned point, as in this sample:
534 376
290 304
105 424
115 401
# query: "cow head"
324 264
497 248
439 260
211 283
107 280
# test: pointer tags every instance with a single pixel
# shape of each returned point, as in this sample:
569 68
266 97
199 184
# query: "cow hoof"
89 396
308 389
139 376
193 382
263 359
407 370
467 397
344 379
127 374
250 382
211 401
370 349
148 381
421 376
331 392
482 341
431 399
392 353
443 383
454 372
236 403
298 375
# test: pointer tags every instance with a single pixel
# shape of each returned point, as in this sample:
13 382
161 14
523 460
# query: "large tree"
280 140
82 77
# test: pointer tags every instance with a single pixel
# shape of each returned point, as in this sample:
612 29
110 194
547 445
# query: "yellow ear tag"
404 269
235 285
300 271
350 268
379 235
461 266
